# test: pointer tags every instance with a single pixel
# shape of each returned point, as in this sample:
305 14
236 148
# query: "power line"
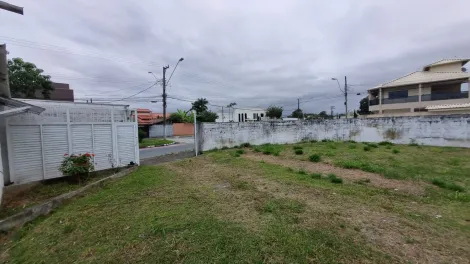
136 93
54 48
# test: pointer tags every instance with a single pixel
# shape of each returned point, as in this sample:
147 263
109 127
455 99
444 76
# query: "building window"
398 94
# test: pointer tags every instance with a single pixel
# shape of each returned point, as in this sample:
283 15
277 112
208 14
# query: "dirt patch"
349 175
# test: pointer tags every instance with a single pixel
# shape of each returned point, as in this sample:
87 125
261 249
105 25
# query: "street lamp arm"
180 60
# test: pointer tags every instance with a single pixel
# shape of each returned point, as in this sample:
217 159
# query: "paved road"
160 151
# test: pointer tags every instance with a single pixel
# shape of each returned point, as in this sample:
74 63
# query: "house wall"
183 129
427 130
453 67
418 104
412 90
156 131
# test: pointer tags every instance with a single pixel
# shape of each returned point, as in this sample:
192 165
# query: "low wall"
158 131
453 130
183 129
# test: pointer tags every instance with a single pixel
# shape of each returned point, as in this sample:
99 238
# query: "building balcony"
443 96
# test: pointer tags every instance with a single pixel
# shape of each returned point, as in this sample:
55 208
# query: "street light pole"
164 101
345 92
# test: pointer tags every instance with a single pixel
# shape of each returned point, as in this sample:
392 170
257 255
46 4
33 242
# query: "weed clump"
314 158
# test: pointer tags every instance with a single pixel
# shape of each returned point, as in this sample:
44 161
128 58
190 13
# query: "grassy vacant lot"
146 142
243 206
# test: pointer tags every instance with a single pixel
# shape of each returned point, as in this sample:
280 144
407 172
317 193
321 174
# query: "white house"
241 115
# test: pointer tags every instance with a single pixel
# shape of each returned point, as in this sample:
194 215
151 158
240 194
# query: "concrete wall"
427 130
157 131
183 129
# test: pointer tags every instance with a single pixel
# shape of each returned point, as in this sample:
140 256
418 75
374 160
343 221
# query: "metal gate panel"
82 139
103 147
55 144
126 141
26 153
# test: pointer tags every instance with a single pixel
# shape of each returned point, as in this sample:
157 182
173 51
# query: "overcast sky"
254 53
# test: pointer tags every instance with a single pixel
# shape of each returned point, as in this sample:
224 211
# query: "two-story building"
241 115
441 87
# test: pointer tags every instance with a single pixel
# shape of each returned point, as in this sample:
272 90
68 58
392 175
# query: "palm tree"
231 105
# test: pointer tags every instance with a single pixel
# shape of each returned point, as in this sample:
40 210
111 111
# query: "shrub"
450 186
315 175
314 158
395 151
386 143
413 145
302 172
313 141
367 148
388 147
372 145
236 146
297 147
334 179
267 152
351 141
224 147
352 146
75 165
236 155
240 151
245 145
141 135
299 152
257 149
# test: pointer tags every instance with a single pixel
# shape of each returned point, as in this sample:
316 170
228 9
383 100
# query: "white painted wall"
427 130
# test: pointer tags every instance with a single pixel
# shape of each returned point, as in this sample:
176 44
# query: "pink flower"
66 154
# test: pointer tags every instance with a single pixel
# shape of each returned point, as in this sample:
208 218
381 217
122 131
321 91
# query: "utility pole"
4 84
164 100
298 103
223 114
332 108
346 95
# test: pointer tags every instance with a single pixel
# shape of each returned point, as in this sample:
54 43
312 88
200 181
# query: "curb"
45 208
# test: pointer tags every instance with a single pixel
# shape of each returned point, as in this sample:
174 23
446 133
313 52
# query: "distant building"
441 87
62 92
241 115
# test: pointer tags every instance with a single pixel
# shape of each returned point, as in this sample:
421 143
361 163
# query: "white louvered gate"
36 145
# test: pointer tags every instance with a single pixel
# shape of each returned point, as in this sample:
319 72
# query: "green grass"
316 175
448 185
270 149
156 215
367 148
147 142
314 158
334 179
395 151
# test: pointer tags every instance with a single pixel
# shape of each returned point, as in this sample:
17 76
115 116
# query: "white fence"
37 143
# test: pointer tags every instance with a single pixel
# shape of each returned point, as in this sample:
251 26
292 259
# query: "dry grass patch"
410 187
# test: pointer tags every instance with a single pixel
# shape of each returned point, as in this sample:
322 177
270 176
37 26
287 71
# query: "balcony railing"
374 102
409 99
443 96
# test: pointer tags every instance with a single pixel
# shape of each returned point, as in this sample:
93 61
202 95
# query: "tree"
200 105
207 116
323 114
355 114
297 113
274 112
181 116
26 79
364 106
230 106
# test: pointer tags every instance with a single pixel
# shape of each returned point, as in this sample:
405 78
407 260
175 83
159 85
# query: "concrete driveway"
184 144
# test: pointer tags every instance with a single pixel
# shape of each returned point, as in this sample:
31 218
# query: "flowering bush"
77 164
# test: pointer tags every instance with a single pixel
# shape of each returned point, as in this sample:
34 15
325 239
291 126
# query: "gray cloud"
255 53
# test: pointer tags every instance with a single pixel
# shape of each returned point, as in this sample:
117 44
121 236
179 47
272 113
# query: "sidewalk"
182 139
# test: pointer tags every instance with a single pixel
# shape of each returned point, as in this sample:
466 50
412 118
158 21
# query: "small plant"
367 148
362 181
141 135
224 147
236 154
313 141
236 146
413 145
267 152
299 152
297 147
352 146
240 151
75 165
386 143
334 179
388 147
257 149
290 170
302 172
351 141
450 186
315 175
372 145
395 151
245 145
314 158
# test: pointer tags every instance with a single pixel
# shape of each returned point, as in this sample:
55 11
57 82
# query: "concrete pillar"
380 100
420 92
